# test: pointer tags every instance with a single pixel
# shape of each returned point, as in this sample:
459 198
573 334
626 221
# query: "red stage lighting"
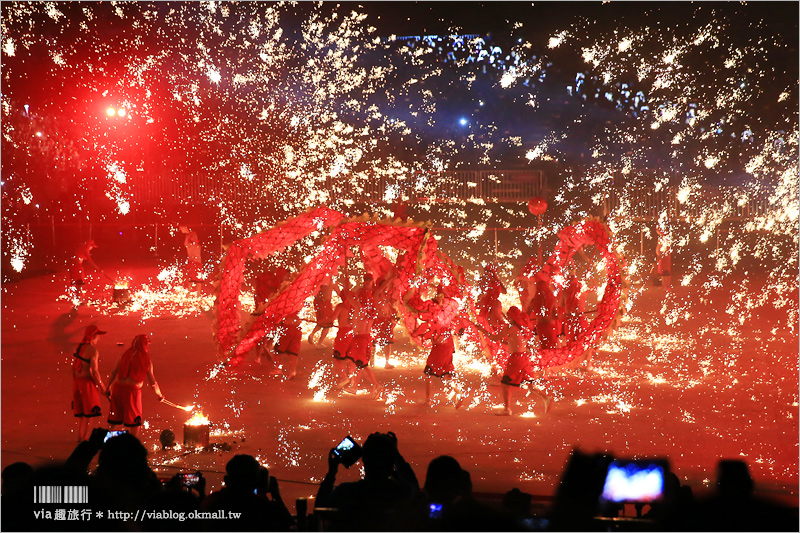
121 112
111 111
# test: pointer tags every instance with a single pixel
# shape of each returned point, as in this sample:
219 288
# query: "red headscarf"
135 362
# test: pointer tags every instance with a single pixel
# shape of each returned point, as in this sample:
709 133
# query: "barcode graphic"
55 494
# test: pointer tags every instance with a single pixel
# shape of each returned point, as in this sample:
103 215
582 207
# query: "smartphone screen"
435 510
348 451
190 480
111 434
633 481
346 444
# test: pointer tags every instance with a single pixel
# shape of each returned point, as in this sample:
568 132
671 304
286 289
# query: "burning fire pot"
121 294
196 431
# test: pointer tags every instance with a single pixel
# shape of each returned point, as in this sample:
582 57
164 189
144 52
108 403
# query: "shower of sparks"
266 121
162 299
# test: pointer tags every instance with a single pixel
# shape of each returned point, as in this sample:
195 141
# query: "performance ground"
692 393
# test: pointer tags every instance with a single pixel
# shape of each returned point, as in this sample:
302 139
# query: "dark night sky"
420 18
413 18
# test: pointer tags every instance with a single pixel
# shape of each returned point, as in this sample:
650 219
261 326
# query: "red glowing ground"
692 393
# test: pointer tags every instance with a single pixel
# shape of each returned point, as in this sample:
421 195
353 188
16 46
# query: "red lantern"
537 206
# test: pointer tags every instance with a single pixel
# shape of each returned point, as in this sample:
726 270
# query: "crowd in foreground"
388 498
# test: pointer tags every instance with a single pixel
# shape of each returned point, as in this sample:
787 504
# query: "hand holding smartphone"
348 451
189 480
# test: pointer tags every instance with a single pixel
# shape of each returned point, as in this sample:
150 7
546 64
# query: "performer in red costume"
527 290
344 336
83 256
290 337
363 314
323 306
517 336
575 302
125 385
194 263
490 312
575 321
664 257
438 315
383 328
267 285
544 310
86 381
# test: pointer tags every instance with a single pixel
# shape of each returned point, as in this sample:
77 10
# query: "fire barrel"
195 436
121 295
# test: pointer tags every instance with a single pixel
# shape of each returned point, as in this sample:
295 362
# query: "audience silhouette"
447 504
247 485
733 507
388 498
370 504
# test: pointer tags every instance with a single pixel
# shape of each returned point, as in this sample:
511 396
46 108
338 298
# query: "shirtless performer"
527 291
490 311
439 315
267 285
86 381
544 308
518 367
83 257
194 262
289 344
344 336
386 319
363 314
125 385
323 306
575 320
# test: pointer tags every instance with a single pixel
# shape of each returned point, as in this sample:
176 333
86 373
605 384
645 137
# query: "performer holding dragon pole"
517 335
438 316
360 349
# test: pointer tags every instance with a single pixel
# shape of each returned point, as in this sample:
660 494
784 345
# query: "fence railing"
491 186
648 206
451 186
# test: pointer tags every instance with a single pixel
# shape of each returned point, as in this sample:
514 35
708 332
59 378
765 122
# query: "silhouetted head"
672 485
241 473
379 454
16 476
517 503
733 479
123 456
444 480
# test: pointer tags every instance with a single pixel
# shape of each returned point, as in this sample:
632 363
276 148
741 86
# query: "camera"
634 481
111 434
189 480
348 451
